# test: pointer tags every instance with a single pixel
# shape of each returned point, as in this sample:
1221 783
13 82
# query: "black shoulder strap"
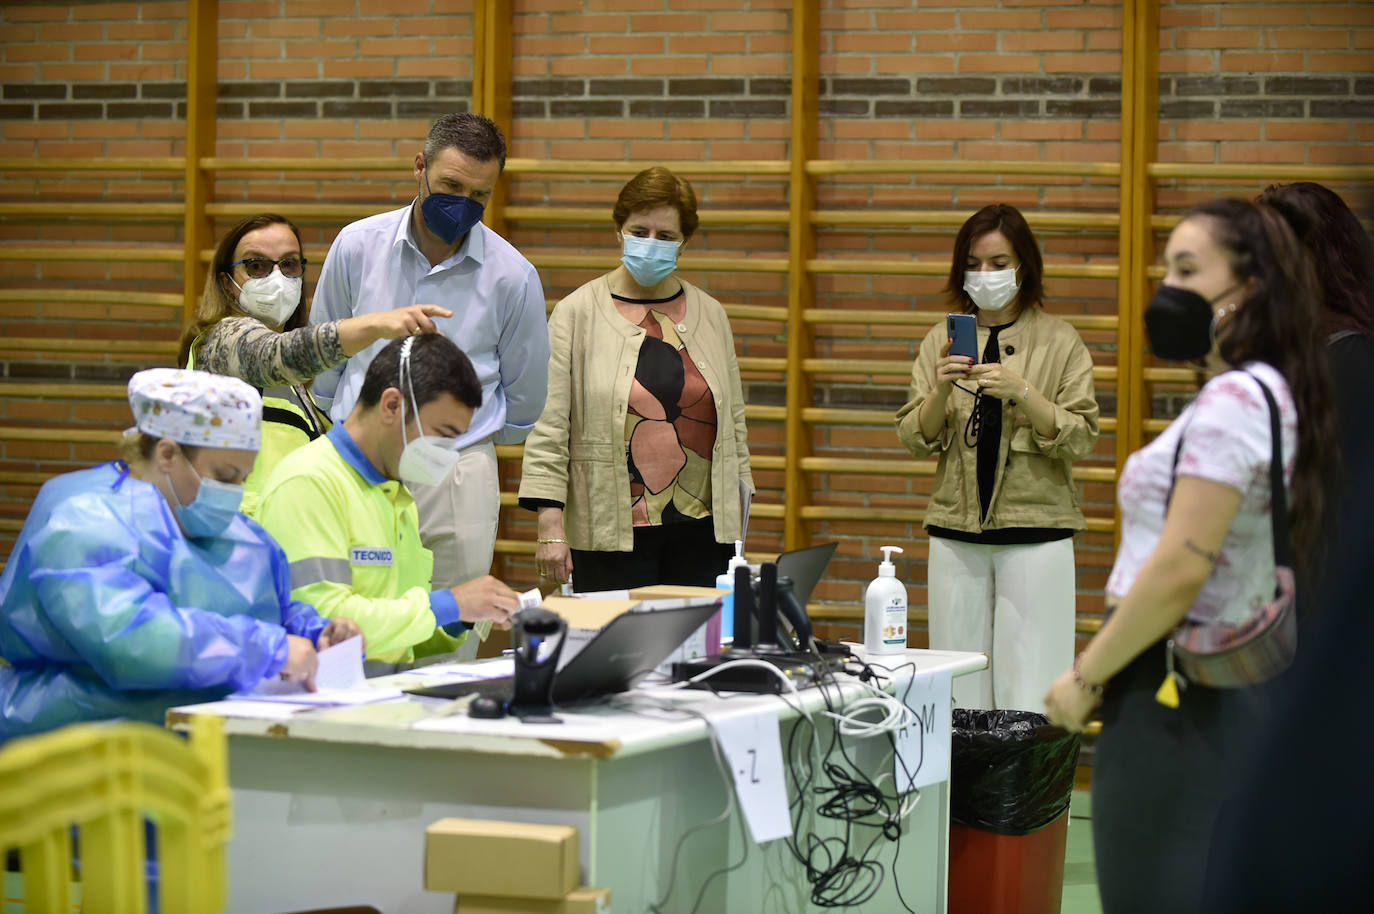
1283 545
287 417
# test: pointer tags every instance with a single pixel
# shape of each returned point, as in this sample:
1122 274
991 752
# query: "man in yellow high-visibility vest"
339 508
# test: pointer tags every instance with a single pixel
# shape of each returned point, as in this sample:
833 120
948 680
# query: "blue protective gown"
108 610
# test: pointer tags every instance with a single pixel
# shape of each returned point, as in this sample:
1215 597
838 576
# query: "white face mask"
271 299
991 291
426 460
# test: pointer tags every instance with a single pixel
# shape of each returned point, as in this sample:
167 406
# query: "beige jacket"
1034 487
576 453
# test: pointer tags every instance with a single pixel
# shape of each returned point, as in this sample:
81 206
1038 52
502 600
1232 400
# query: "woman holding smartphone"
1007 418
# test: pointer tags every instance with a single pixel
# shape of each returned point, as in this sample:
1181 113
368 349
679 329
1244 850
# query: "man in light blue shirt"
437 251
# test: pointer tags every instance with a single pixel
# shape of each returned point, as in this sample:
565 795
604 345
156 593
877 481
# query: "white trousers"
458 521
1016 604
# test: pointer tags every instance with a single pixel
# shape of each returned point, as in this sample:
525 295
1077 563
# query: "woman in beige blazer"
1007 428
639 465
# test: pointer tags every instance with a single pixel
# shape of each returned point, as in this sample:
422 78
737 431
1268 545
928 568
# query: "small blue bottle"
726 581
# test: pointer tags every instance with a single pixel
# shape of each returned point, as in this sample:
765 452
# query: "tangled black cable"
837 877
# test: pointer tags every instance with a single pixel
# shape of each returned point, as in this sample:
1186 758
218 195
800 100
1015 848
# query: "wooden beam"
93 297
623 171
801 251
1139 139
929 318
198 226
961 167
1266 174
905 218
908 267
602 263
96 163
103 347
491 87
70 252
95 211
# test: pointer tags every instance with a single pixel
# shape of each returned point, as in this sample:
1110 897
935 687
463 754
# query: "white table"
331 805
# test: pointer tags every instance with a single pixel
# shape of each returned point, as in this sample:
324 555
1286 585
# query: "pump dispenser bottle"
885 609
726 581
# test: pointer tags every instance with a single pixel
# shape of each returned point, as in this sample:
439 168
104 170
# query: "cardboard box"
586 616
705 641
485 857
578 901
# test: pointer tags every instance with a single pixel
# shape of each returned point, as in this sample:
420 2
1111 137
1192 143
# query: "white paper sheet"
339 680
753 750
466 672
922 756
341 666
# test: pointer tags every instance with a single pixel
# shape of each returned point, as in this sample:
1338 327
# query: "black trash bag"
1011 772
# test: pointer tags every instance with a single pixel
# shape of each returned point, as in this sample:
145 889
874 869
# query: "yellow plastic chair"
107 778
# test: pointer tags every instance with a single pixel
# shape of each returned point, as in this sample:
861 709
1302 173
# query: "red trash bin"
1011 780
1007 874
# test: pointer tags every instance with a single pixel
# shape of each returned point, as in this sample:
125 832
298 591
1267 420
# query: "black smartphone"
963 335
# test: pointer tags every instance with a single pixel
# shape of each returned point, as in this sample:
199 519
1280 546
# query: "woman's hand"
994 379
301 662
1068 705
357 333
553 557
950 368
337 631
553 561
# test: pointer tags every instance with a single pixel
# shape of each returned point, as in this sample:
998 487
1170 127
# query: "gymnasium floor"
1080 875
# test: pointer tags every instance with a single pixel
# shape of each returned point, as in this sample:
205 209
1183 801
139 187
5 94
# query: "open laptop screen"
805 567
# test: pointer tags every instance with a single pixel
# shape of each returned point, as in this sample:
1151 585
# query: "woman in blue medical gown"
136 585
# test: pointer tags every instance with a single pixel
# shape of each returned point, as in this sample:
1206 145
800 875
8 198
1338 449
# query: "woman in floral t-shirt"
1161 773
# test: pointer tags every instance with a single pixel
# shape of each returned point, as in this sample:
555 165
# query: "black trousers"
1160 778
681 553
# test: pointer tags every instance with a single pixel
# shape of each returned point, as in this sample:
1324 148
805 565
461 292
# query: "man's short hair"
473 135
436 367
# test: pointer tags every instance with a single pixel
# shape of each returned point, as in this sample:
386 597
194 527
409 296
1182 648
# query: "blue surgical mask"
448 215
649 260
212 510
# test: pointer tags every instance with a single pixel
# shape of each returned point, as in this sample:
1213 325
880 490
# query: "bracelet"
1025 397
1079 681
554 540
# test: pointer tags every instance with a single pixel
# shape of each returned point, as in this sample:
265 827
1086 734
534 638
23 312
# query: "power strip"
802 668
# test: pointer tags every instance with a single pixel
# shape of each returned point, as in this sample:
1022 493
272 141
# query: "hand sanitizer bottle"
885 609
726 581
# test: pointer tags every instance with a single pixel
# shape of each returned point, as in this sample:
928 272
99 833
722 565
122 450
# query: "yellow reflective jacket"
290 419
353 539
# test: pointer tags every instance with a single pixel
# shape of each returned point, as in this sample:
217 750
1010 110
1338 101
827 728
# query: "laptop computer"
624 652
805 567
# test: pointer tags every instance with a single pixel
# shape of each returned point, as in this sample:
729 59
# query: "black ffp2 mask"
1178 323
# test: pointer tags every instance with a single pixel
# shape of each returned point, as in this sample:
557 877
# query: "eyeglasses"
259 267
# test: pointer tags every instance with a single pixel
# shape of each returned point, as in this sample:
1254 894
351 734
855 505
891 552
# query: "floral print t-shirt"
670 426
1226 439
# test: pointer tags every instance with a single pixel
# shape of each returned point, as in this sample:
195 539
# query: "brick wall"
680 81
